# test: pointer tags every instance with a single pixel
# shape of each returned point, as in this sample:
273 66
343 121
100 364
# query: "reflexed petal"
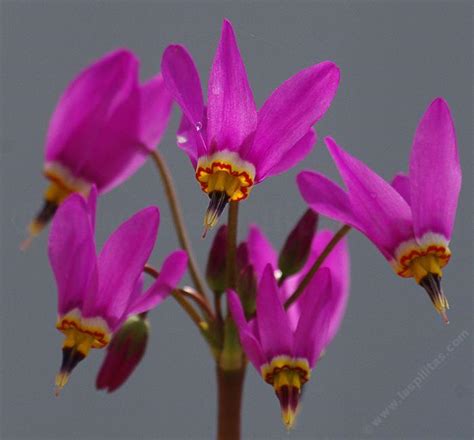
326 198
71 252
170 275
311 333
92 206
290 112
435 172
85 107
182 80
296 154
121 262
338 262
119 152
189 139
232 115
138 289
261 251
274 329
339 265
250 344
401 183
156 103
384 214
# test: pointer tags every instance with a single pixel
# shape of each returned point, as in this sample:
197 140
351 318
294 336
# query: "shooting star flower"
97 293
102 130
410 221
231 146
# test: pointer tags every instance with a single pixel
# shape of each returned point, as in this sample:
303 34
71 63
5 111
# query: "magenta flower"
410 221
97 293
232 146
102 130
285 345
124 353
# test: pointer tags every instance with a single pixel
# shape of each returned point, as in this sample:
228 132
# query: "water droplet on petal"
198 126
181 139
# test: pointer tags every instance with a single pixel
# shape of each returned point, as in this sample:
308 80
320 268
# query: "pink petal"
379 208
182 80
138 289
232 115
71 252
120 264
92 206
250 344
296 154
326 198
189 139
121 152
85 107
401 183
290 112
274 328
171 273
261 251
156 103
311 333
435 172
133 130
338 262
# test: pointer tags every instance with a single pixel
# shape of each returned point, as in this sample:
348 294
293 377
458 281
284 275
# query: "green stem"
178 219
317 264
231 264
231 364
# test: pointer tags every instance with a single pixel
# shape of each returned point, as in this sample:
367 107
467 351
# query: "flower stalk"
179 295
317 264
231 364
229 402
178 219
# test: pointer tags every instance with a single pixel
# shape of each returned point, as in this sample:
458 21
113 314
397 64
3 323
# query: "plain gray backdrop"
395 58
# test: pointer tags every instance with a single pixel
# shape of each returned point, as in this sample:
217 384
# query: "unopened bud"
242 257
247 288
216 262
124 353
297 246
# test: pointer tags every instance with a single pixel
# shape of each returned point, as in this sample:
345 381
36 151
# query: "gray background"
395 57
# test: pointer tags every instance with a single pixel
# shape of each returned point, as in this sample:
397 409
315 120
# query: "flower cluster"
285 308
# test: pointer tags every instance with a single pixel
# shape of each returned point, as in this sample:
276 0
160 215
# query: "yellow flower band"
286 365
85 333
224 171
414 259
63 183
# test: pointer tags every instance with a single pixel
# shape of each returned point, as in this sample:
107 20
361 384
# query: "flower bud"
242 256
296 249
216 262
124 353
247 288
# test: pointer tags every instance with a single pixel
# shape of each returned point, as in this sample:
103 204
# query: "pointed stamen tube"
432 284
217 203
71 357
40 221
